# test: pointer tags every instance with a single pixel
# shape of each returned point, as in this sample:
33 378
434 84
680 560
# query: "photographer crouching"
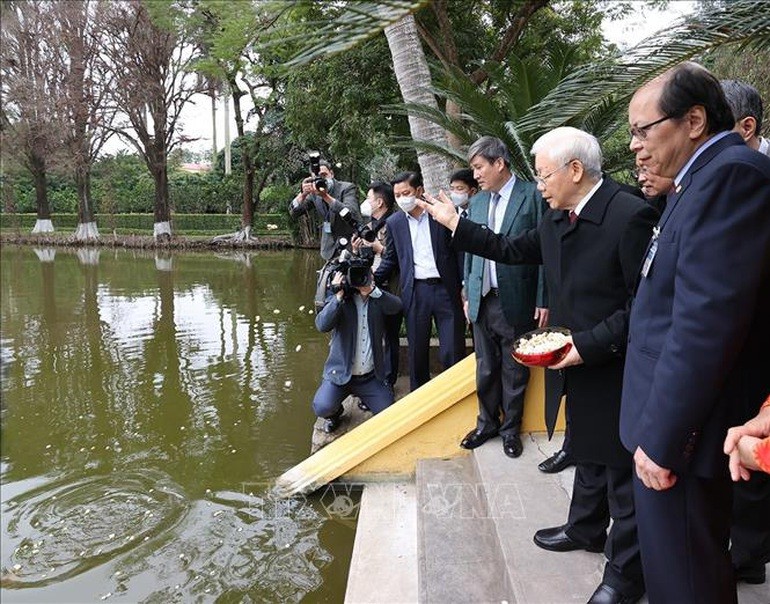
354 312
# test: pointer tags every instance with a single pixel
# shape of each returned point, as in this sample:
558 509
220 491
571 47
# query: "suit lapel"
515 202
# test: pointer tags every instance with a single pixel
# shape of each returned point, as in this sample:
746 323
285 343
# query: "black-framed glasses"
540 180
640 132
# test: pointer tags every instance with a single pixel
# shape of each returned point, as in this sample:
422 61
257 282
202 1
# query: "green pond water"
148 402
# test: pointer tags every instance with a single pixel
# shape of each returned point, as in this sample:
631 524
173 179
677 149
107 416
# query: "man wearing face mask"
462 186
378 206
430 279
327 203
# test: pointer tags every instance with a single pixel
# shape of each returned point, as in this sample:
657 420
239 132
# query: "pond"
148 402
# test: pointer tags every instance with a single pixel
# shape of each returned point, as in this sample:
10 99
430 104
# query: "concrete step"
459 557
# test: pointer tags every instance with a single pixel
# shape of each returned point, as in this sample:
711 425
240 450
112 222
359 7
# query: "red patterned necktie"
572 217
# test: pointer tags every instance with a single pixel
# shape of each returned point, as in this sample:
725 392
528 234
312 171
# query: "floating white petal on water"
218 513
181 556
298 348
118 573
277 311
48 446
181 427
208 491
107 595
301 308
111 536
82 449
287 383
16 568
257 318
310 312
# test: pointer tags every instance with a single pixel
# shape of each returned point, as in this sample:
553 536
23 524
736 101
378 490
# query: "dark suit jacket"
344 194
522 287
399 256
590 269
342 317
699 334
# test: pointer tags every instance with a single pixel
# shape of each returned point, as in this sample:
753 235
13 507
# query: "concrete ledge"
383 568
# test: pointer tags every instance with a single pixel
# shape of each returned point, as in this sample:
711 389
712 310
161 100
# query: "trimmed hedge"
143 223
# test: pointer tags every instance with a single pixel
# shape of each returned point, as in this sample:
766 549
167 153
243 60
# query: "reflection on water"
148 400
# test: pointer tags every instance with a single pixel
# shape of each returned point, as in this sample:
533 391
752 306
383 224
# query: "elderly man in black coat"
590 242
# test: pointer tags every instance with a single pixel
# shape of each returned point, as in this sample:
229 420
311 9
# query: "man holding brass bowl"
590 242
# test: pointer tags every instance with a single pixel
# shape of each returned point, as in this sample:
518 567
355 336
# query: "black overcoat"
591 268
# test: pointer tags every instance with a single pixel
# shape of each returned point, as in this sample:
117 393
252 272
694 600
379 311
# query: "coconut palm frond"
432 114
740 22
352 22
431 147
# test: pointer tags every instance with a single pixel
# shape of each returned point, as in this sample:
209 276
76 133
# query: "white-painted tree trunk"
414 80
161 229
87 231
45 254
88 256
43 226
242 235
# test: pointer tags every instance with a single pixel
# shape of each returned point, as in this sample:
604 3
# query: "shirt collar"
507 188
579 207
698 151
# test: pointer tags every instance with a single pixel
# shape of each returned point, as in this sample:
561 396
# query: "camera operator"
327 196
378 206
355 313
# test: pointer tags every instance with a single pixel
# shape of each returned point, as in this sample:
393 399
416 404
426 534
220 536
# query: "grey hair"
744 100
567 143
490 148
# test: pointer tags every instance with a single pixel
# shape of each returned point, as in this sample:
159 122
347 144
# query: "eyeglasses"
540 180
640 132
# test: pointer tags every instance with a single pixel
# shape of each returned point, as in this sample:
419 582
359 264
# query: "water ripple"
63 529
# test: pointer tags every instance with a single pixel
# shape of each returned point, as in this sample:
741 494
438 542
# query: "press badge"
651 251
327 226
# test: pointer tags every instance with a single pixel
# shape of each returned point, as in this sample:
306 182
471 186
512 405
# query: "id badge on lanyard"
651 251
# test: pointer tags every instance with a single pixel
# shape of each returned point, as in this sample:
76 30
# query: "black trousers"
684 533
500 381
392 346
750 527
599 493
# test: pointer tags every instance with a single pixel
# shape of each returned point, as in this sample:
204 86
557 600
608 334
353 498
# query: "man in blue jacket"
356 363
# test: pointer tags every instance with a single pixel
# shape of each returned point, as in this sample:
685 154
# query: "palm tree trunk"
414 80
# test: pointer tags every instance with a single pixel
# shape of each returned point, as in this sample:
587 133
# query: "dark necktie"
486 279
572 217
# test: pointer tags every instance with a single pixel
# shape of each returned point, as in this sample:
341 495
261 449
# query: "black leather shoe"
475 438
332 423
512 446
606 594
556 540
754 574
556 462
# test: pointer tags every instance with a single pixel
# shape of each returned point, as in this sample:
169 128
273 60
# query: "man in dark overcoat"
590 243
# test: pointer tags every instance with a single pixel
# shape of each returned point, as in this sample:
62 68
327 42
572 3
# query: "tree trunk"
38 169
87 229
162 212
413 76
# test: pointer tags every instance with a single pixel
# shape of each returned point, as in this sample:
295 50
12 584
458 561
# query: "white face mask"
366 209
407 203
458 198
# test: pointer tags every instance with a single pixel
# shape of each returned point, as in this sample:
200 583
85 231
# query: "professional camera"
356 268
362 230
319 182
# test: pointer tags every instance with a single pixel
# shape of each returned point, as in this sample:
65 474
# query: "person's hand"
541 316
736 443
571 358
307 188
651 474
356 242
441 208
465 311
337 280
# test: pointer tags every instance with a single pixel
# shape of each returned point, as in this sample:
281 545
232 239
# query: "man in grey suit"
501 301
327 201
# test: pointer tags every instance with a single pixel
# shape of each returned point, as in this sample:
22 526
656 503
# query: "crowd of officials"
665 291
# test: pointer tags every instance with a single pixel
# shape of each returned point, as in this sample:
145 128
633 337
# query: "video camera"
356 269
319 182
362 230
